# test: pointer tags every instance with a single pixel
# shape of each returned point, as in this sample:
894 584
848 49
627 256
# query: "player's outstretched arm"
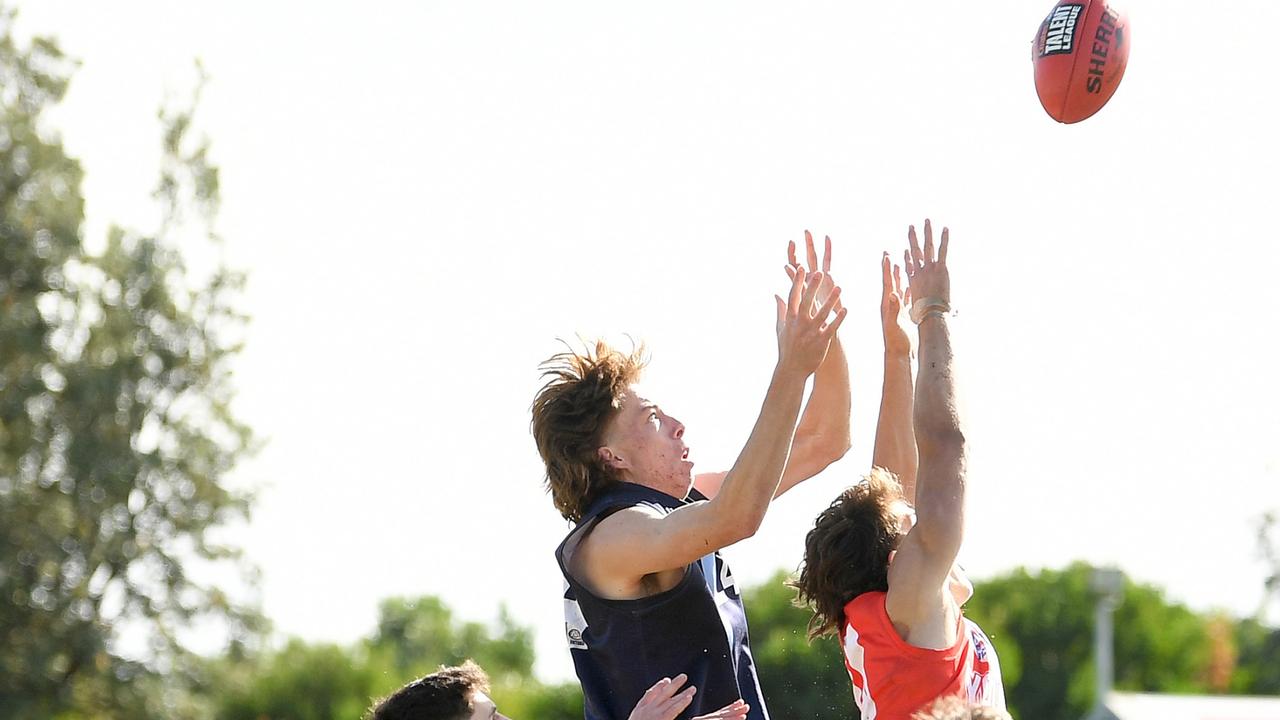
822 435
918 600
665 701
638 541
895 447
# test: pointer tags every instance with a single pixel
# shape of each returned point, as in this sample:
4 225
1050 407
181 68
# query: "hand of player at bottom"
665 701
736 711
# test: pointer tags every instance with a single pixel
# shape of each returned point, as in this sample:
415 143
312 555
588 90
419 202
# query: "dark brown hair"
442 695
570 413
847 551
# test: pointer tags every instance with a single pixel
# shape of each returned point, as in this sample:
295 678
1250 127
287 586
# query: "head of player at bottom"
462 693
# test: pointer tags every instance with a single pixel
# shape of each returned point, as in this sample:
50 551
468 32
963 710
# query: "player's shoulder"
637 511
620 523
866 611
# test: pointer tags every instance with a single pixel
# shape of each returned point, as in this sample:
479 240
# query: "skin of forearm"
940 496
826 415
752 481
895 445
936 419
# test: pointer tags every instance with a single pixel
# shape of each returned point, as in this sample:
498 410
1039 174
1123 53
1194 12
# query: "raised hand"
893 303
930 282
824 291
804 334
665 701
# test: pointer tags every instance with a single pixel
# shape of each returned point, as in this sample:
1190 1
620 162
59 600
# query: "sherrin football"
1079 55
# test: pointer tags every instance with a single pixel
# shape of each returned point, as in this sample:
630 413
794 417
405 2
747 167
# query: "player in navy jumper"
647 592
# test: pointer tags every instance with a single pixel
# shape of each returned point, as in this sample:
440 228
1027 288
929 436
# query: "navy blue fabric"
622 647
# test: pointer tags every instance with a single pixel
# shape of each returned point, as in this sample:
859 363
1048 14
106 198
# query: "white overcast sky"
427 194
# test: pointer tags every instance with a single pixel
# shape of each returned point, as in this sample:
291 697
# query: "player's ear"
892 553
610 458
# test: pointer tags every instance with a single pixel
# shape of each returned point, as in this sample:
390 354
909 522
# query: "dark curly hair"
847 551
442 695
570 413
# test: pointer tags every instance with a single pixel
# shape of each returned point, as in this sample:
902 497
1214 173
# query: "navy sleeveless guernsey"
622 647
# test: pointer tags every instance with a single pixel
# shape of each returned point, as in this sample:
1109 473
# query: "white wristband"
922 308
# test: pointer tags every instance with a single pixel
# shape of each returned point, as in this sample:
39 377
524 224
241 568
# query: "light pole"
1107 582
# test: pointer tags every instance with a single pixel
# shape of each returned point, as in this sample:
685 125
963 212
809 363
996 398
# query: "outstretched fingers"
830 329
831 304
890 279
914 257
663 690
810 292
673 707
942 247
928 242
797 291
664 701
810 253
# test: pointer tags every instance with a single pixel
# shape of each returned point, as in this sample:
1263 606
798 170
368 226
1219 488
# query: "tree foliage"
799 679
1042 626
414 637
116 434
1257 645
300 681
419 634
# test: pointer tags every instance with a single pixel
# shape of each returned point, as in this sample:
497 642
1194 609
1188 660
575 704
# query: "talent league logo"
1058 32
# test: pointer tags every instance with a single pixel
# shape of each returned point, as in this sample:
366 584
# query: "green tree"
1042 627
413 637
115 430
301 681
1257 645
534 701
420 634
799 679
1257 670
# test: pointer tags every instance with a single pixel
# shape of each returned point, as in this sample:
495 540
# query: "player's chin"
685 475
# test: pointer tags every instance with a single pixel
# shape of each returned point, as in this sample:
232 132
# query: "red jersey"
892 679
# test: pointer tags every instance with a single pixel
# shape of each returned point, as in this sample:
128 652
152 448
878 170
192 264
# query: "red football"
1079 55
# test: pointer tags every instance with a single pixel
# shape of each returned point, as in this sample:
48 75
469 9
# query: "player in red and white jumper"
880 563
